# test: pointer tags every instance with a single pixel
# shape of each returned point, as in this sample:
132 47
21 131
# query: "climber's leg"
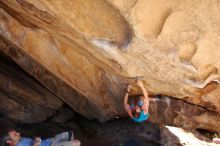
64 136
69 143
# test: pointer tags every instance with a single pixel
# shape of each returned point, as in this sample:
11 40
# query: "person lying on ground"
13 138
138 110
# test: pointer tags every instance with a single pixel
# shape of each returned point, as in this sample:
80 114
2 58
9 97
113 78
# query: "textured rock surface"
175 112
23 98
63 114
86 51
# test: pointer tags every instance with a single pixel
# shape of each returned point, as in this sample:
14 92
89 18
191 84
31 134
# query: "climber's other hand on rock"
129 88
140 83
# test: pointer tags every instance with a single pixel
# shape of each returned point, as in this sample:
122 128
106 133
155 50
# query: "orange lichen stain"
197 99
209 88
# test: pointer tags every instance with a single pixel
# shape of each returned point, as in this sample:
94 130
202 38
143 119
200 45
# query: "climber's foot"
155 99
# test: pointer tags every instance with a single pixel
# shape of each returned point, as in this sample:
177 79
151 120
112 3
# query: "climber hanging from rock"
137 109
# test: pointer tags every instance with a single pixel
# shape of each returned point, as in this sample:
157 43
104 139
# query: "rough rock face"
63 114
86 51
22 98
175 112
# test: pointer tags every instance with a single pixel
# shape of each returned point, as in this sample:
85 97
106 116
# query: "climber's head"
12 137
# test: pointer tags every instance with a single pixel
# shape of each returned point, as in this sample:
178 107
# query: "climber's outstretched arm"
145 93
126 100
126 105
141 85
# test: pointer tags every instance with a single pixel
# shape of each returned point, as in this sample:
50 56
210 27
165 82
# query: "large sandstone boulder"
85 52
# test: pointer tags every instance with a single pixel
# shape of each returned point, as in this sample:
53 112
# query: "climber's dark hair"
136 95
6 130
135 98
3 140
5 137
